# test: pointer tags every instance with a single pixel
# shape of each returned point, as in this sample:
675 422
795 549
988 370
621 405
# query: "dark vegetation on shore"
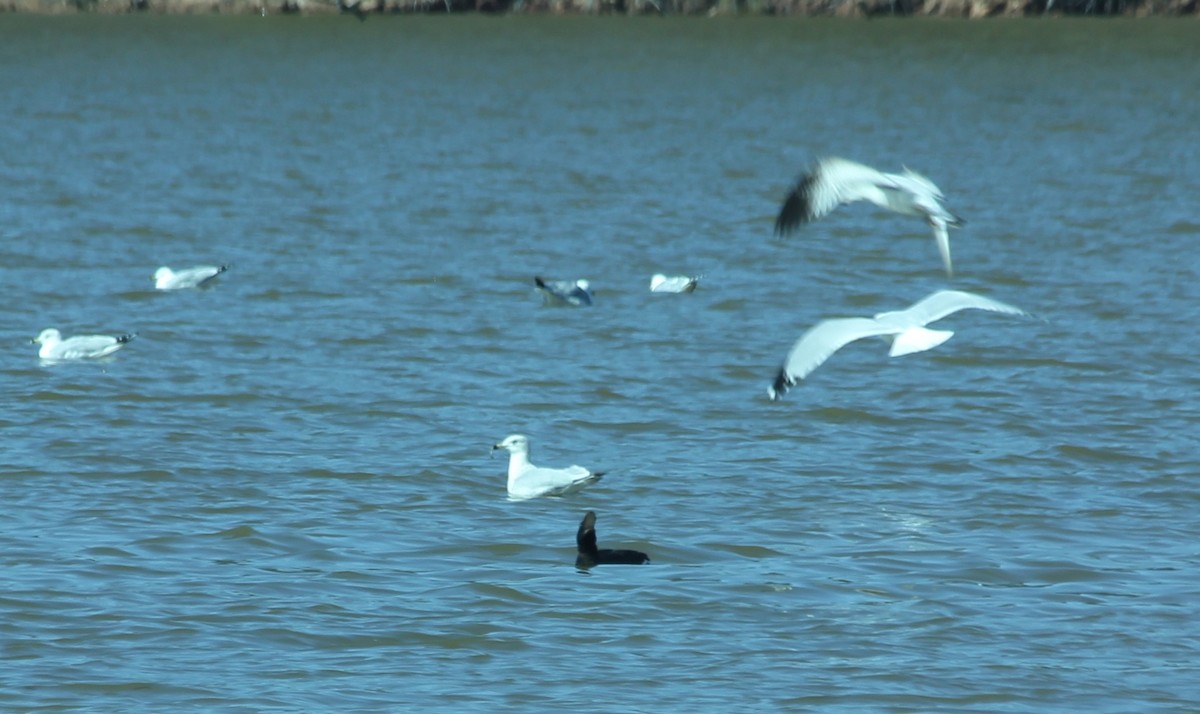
362 9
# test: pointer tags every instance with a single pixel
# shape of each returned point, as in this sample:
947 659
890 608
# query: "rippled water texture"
279 496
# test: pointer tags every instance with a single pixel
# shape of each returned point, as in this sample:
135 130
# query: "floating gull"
660 283
53 346
528 481
906 326
167 279
589 554
570 292
834 181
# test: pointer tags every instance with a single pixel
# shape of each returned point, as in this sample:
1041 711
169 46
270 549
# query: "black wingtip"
795 210
539 282
780 386
126 338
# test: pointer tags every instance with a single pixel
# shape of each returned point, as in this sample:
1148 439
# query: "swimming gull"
589 554
906 327
660 283
833 182
567 292
53 346
167 279
528 481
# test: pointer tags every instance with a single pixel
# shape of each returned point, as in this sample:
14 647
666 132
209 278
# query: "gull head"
47 335
582 285
513 444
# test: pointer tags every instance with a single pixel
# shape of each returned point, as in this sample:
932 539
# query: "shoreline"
363 9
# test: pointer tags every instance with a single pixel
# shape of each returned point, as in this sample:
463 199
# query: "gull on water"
565 292
660 283
589 554
53 346
833 182
167 279
906 327
528 481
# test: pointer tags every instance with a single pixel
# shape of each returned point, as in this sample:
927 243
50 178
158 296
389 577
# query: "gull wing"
568 291
89 346
579 296
539 481
675 284
197 276
820 342
947 302
917 184
829 184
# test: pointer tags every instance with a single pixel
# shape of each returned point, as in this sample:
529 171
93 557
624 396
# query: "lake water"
279 497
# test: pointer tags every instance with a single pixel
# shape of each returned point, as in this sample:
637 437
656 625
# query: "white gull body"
833 182
660 283
528 481
54 347
905 327
167 279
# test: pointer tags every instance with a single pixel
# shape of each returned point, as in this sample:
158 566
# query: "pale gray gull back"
167 279
660 283
54 347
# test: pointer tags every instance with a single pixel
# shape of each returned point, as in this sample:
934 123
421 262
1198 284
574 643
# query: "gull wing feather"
195 277
917 184
829 184
947 302
539 481
820 342
89 346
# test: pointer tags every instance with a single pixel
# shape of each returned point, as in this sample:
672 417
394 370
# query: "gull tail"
941 234
581 483
918 339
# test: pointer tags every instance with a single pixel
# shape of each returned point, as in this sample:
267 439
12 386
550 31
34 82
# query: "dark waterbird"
590 555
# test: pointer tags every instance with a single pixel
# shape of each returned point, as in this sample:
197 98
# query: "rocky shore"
362 9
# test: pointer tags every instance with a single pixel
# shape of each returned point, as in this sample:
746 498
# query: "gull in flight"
54 347
660 283
589 554
167 279
528 481
906 327
568 292
835 181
